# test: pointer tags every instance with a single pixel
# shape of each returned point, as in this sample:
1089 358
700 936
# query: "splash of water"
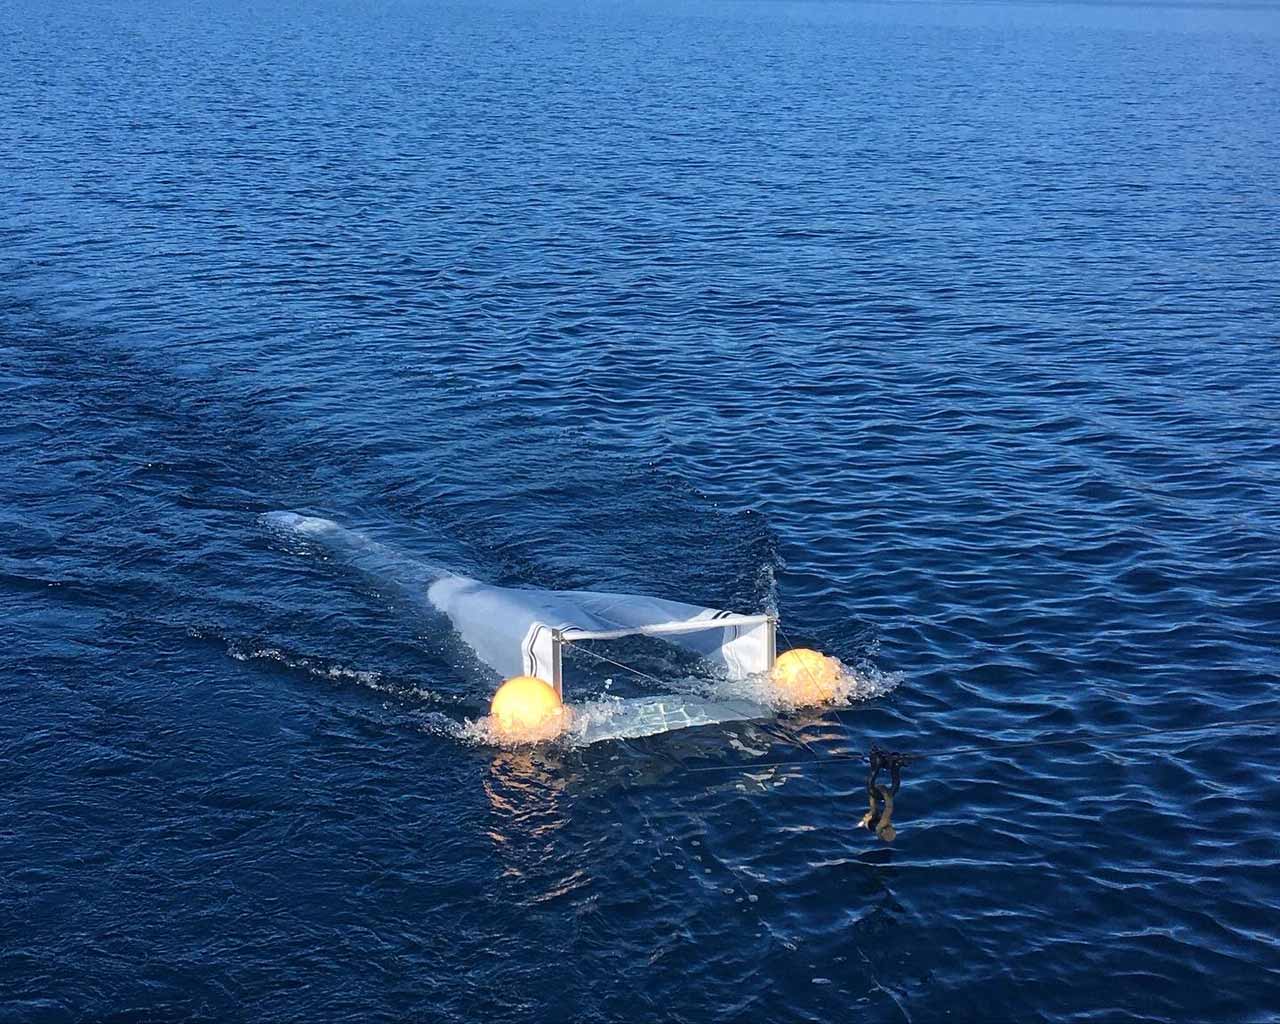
694 702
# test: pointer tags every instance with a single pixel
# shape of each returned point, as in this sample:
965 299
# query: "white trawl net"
518 631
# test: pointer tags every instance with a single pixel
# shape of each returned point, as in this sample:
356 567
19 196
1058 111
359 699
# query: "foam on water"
320 669
854 685
694 702
616 718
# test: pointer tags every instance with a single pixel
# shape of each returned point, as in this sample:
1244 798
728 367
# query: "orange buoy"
803 677
526 709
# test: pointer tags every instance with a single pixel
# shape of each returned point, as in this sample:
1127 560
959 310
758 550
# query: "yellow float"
803 677
525 709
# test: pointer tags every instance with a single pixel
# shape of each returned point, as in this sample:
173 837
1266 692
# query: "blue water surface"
949 330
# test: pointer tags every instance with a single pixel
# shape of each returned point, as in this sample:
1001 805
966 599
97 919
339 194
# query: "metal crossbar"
569 637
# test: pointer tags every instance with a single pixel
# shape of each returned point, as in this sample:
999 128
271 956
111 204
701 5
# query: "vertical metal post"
557 679
771 642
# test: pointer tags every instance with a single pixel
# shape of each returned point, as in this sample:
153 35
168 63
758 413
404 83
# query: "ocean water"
947 330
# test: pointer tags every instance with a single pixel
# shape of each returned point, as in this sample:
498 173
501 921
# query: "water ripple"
947 331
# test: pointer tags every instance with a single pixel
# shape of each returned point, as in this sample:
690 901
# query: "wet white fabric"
516 631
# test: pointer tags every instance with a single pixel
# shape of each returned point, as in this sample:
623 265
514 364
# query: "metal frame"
698 626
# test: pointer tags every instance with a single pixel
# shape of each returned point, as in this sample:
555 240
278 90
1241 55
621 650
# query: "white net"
519 631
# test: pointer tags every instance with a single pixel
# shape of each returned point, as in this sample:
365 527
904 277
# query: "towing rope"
609 661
